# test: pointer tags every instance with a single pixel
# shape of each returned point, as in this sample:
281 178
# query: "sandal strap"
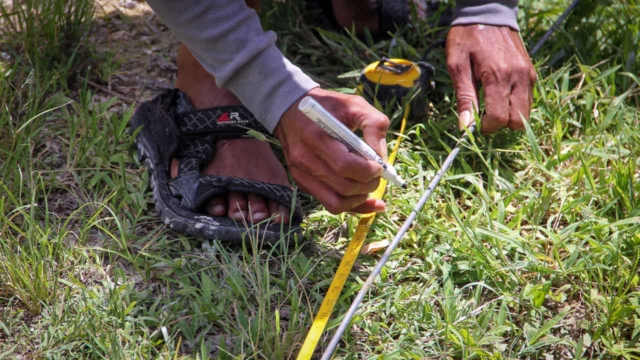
195 192
200 129
192 154
224 121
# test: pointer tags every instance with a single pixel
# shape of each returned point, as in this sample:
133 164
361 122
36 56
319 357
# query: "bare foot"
241 158
363 14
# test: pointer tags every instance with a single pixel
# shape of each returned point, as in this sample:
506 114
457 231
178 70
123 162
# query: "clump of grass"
49 34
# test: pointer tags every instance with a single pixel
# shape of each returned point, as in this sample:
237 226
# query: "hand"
495 57
322 166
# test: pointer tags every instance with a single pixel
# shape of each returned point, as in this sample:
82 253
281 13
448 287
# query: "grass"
529 248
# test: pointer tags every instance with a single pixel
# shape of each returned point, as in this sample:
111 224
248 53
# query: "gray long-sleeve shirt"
227 39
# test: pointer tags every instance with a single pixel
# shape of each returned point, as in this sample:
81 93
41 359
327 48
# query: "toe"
257 208
217 206
237 206
279 212
174 168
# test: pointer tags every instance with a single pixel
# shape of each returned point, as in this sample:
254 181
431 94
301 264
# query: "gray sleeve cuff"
268 85
498 13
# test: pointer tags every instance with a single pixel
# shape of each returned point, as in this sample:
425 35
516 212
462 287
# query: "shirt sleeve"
228 40
499 13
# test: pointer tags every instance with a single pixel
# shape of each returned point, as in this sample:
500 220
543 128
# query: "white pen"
336 129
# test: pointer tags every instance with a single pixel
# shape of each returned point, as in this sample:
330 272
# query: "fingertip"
516 125
464 119
375 170
491 124
380 206
379 171
370 206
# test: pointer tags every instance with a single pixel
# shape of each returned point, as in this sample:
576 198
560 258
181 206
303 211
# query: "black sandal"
171 128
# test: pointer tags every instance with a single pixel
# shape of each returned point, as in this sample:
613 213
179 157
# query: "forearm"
500 13
227 39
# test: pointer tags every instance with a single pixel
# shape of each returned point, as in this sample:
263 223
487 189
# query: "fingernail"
465 119
383 148
381 206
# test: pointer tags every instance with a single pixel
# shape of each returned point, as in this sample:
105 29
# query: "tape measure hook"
394 67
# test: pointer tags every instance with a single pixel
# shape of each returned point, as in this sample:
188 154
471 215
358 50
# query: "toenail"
218 208
283 210
259 215
239 215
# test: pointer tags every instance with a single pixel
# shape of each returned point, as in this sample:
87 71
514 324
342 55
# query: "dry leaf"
374 247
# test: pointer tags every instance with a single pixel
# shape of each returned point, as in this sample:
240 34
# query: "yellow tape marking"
346 264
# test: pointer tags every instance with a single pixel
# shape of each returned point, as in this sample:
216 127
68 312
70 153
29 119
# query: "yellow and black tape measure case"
389 79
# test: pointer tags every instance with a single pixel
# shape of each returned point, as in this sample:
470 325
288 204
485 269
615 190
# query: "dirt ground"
144 50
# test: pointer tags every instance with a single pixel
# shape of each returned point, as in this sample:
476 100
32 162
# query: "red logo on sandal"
223 118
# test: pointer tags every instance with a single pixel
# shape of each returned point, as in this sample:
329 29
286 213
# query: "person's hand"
322 166
495 57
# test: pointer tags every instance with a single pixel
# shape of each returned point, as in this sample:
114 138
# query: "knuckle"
503 70
296 159
508 65
373 171
352 103
311 137
465 95
523 68
341 166
308 137
383 122
533 76
347 188
334 206
373 185
454 65
360 101
347 191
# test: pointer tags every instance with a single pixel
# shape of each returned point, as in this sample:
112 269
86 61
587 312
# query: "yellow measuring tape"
350 256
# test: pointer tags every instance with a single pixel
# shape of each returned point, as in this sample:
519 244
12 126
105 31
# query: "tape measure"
382 81
389 79
346 264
